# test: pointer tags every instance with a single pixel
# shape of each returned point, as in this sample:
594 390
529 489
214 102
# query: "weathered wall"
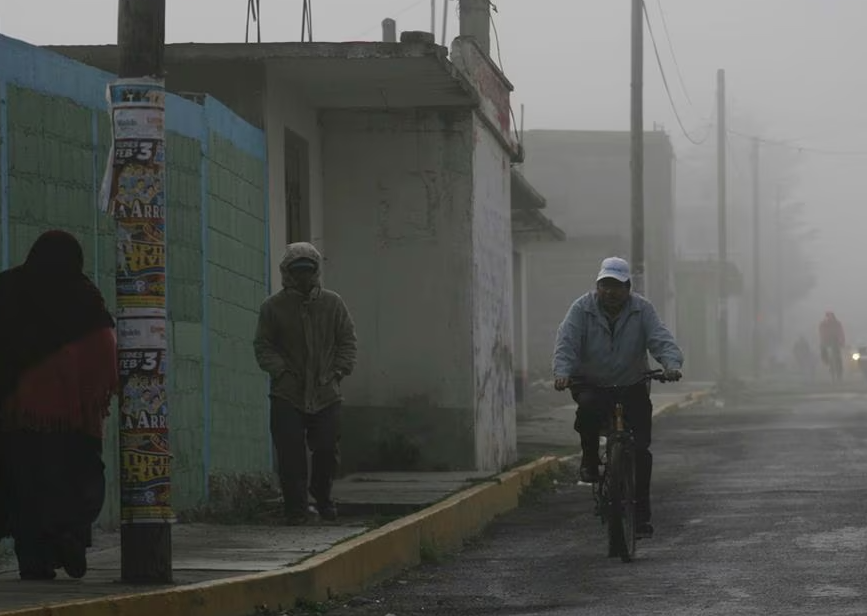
54 138
285 109
519 320
493 334
399 219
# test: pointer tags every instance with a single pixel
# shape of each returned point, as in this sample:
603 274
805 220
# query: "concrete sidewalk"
219 566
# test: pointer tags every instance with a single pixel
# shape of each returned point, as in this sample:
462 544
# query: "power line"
798 148
253 13
673 55
665 83
494 9
307 21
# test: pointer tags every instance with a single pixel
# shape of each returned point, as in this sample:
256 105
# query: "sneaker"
297 518
644 531
589 473
73 556
327 512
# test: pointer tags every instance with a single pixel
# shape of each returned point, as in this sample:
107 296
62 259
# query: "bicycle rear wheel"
621 501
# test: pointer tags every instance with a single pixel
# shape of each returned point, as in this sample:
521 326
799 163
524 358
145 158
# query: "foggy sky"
795 68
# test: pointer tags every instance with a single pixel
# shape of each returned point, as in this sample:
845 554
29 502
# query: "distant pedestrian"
58 372
306 342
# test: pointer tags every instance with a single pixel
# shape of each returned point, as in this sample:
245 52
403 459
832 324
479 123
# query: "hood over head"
296 255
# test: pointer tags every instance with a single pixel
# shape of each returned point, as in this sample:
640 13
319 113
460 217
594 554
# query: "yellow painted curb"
691 399
346 568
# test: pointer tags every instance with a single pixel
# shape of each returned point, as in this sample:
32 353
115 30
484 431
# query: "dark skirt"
52 489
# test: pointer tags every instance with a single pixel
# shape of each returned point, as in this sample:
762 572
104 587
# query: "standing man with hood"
306 342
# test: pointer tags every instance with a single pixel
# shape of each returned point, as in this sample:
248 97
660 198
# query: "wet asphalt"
760 507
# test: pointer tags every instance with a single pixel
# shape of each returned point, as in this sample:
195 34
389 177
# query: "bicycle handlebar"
653 375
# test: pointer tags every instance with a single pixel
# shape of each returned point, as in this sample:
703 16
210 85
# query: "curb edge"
346 568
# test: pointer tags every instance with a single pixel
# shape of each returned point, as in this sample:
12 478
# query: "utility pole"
445 21
778 222
433 18
637 154
723 326
757 263
138 162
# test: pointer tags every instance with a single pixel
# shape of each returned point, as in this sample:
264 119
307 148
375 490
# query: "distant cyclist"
832 340
604 339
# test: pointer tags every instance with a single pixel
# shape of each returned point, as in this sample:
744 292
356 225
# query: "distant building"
396 161
585 177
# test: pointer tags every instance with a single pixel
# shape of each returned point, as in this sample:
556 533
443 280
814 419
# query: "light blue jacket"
588 347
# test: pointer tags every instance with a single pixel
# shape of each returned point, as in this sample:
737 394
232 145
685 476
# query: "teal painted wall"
54 140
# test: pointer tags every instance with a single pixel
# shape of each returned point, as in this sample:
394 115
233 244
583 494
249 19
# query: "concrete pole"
445 21
146 542
433 17
757 263
637 153
722 230
476 22
389 30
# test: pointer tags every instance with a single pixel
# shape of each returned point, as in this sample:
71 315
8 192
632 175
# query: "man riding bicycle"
604 339
832 340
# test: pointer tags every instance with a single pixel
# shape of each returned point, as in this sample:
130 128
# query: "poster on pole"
133 194
144 430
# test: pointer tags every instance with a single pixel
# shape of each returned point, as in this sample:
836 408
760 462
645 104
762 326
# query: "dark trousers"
594 409
53 487
293 431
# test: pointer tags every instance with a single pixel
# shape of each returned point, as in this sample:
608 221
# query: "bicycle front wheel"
621 500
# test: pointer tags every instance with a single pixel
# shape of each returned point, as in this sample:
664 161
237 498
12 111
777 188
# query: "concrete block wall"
237 253
54 139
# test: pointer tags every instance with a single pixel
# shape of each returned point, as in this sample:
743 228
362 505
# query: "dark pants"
594 409
53 487
293 431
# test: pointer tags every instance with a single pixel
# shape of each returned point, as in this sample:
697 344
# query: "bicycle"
614 493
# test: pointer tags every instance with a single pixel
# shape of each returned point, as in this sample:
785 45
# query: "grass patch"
541 484
430 554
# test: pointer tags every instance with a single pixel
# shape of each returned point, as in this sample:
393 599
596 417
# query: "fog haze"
794 67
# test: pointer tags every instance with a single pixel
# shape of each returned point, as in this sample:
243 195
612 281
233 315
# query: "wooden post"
137 203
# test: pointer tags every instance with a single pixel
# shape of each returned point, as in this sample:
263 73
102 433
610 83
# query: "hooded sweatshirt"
305 341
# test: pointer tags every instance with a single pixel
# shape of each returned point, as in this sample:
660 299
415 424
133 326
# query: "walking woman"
58 372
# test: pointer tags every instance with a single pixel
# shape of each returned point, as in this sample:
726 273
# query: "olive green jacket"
305 342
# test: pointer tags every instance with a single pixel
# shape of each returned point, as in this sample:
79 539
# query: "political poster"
133 194
144 430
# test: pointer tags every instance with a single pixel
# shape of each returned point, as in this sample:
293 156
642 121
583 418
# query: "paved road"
760 508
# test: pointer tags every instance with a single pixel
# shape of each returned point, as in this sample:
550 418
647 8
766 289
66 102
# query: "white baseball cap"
614 267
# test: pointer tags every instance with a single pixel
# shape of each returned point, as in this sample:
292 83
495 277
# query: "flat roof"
327 75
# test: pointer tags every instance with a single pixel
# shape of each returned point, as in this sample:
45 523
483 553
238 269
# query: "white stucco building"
395 159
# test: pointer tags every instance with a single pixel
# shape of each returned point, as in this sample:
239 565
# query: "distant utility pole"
138 154
757 263
445 21
722 230
433 18
637 154
778 222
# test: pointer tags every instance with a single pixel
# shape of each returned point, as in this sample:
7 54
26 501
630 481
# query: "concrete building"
530 228
584 175
396 161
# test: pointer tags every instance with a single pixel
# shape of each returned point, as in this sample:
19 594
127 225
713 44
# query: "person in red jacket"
832 339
